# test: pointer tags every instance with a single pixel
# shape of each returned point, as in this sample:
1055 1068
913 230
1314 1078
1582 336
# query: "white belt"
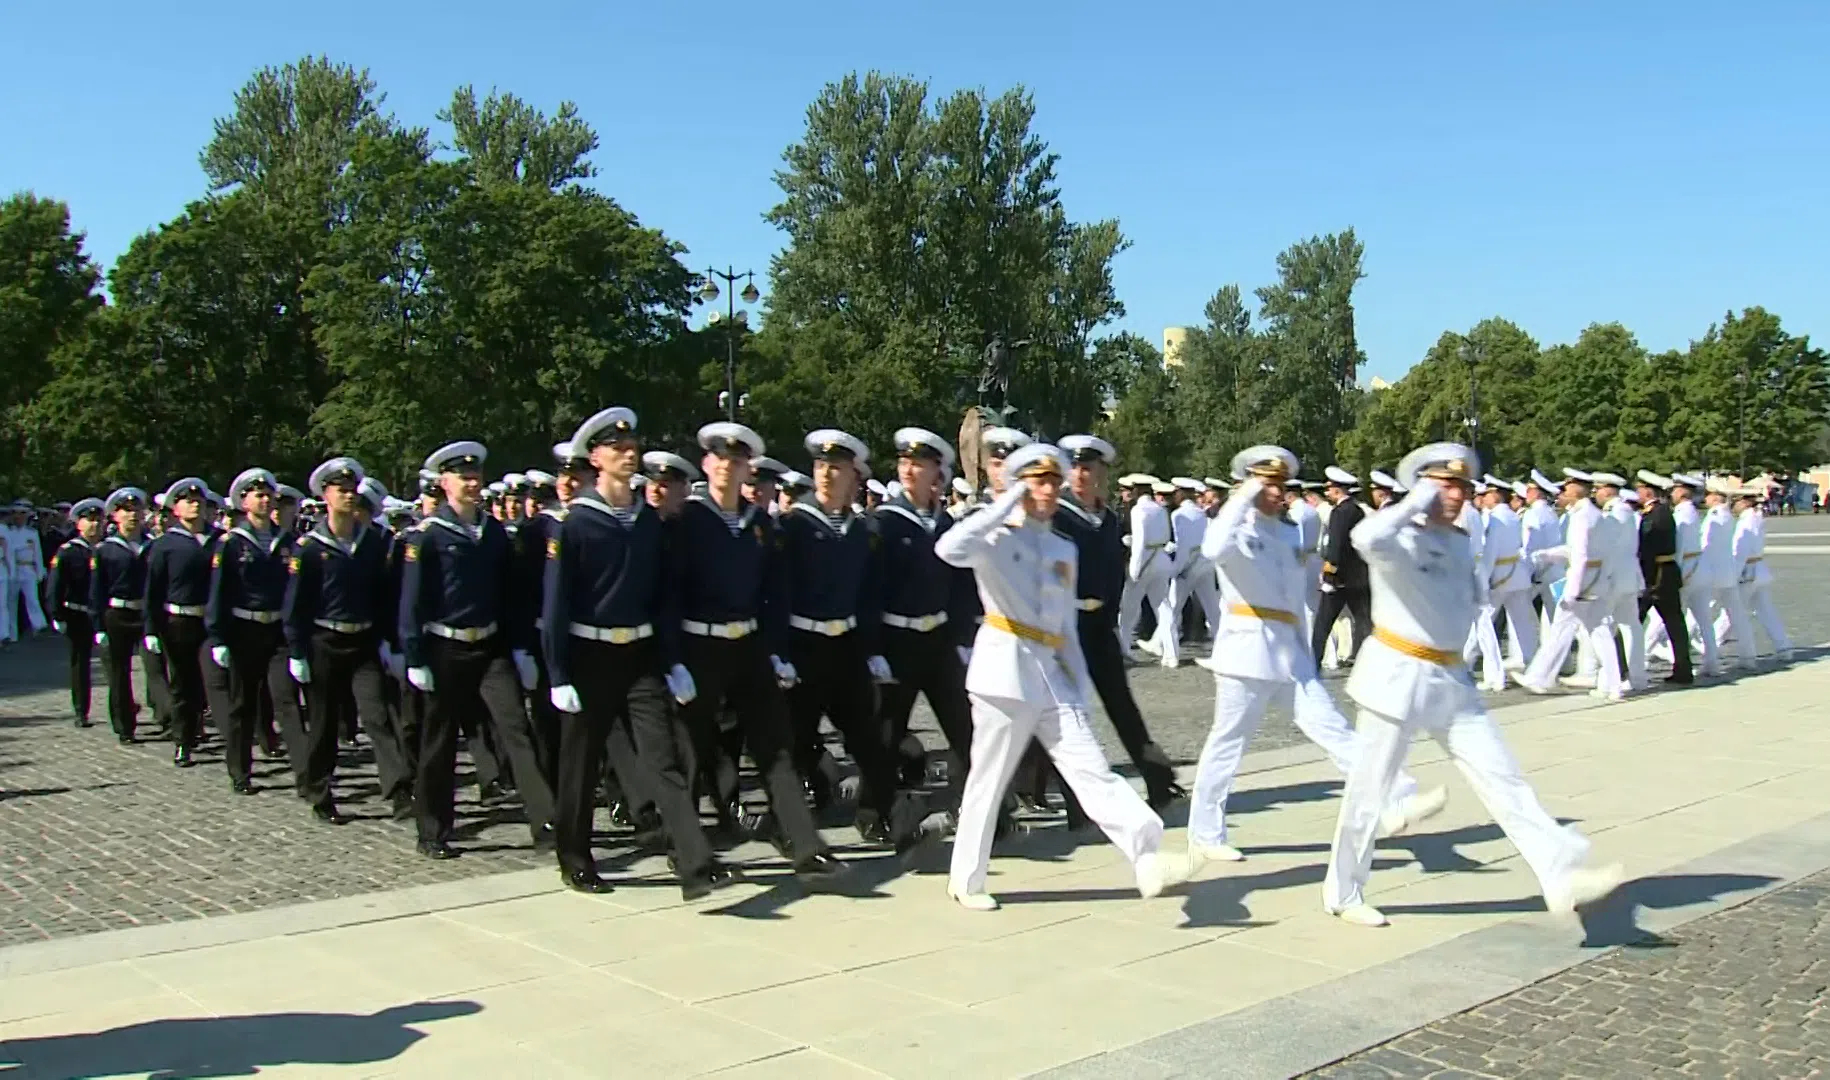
920 625
255 616
615 635
469 635
84 608
126 605
1089 603
193 611
824 627
730 631
336 627
540 622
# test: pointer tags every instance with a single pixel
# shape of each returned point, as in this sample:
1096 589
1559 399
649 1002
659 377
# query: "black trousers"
471 679
739 672
410 714
79 631
621 689
835 683
184 662
928 664
1106 667
124 629
257 672
1665 595
1357 602
480 740
158 686
346 686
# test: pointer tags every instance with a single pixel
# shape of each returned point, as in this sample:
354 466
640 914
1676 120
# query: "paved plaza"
151 924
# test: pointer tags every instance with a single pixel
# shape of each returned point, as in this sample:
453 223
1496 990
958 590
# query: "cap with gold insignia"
726 437
1652 479
345 472
1217 484
1445 461
1082 449
373 492
1688 480
458 457
1162 487
87 507
128 496
1000 442
831 444
1036 459
1266 462
767 468
920 442
250 479
188 488
1577 476
1186 483
660 462
615 424
540 480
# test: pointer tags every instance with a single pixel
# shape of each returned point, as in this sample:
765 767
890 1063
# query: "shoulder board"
552 546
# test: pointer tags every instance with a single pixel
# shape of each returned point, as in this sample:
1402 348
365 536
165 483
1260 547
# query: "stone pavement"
1708 797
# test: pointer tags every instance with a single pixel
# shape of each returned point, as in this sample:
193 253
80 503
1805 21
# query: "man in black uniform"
242 618
335 596
1098 534
1658 562
68 595
177 588
117 594
611 635
463 645
721 565
1344 581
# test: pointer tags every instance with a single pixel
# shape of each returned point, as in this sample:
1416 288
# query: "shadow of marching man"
230 1045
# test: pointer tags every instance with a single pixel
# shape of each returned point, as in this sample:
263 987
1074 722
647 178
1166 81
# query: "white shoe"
1149 646
1172 664
1613 696
1514 668
1200 854
1583 887
976 901
1578 682
1494 688
1534 688
1206 662
1411 811
1156 872
1360 915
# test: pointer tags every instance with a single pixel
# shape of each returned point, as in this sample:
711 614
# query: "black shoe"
1166 795
327 813
124 740
820 869
719 876
403 806
619 815
437 850
182 758
873 830
242 787
83 722
491 793
586 881
1673 680
544 839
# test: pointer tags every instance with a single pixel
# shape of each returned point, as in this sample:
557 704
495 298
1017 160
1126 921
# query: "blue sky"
1556 163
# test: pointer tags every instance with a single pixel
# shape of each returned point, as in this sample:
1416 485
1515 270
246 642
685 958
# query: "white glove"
1327 586
101 640
525 668
784 672
680 684
565 699
220 654
880 669
301 671
57 625
152 645
421 678
965 654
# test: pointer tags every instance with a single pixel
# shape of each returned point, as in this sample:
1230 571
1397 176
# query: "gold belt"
1507 561
1024 631
1664 558
1265 613
1416 649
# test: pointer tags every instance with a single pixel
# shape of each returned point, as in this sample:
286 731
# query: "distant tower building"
1378 384
1174 338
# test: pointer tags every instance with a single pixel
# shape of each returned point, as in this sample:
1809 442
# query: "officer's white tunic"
1023 688
28 572
1696 592
1505 585
1423 598
1194 576
1752 588
1721 572
1626 583
1150 567
1309 551
1260 649
1582 609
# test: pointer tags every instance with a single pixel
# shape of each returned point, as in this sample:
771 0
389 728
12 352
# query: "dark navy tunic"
606 573
69 584
456 575
1100 539
722 572
914 582
177 574
336 582
248 573
117 571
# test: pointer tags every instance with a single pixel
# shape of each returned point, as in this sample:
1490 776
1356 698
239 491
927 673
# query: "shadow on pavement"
232 1045
1221 901
1257 799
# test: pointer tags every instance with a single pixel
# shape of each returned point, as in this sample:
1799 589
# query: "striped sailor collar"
902 507
270 545
1068 502
812 507
744 515
135 546
447 518
594 503
322 534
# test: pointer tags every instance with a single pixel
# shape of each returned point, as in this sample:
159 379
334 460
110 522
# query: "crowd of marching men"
640 622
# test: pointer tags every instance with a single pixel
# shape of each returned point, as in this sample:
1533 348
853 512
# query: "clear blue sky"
1557 163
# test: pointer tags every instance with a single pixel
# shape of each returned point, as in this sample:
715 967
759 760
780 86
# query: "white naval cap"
287 491
1611 479
1689 480
121 496
1340 476
514 481
391 506
251 478
1439 461
1543 482
1719 485
613 424
963 486
188 488
893 489
539 478
497 488
796 481
831 444
1382 479
1217 484
342 471
1578 475
920 442
1083 448
768 467
86 506
159 500
1001 441
1630 496
876 488
374 491
1162 487
1652 479
466 455
566 456
1266 461
726 435
1138 479
657 461
1036 459
1186 483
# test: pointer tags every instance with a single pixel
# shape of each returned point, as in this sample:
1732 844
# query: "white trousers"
1471 738
1484 639
1152 588
1001 730
8 632
1199 582
1239 707
1697 620
1625 614
1755 609
25 587
1735 622
1587 620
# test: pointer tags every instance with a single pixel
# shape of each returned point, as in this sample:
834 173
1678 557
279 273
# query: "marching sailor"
177 588
117 594
248 574
70 603
1343 581
1582 606
1501 585
1151 563
1697 583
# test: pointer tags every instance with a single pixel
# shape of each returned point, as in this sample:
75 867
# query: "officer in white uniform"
1028 679
1542 530
1721 574
1625 580
1581 605
1261 649
1151 563
1502 585
1187 523
1308 524
28 568
1754 581
1409 678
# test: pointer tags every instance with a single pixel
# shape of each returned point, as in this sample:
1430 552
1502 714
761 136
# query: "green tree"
1580 393
1145 425
47 295
1315 356
1749 379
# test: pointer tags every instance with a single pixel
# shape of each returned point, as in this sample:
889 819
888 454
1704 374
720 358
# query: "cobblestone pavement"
1741 993
98 836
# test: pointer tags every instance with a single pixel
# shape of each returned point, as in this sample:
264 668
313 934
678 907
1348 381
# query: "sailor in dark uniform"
765 483
541 515
721 566
117 593
670 479
928 608
177 588
242 618
335 597
69 599
462 645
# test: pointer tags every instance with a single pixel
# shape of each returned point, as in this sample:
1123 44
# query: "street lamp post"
1472 354
709 293
1741 415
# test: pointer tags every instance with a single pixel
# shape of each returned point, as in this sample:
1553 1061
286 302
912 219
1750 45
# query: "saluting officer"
177 588
721 565
461 646
242 618
117 593
334 601
70 603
